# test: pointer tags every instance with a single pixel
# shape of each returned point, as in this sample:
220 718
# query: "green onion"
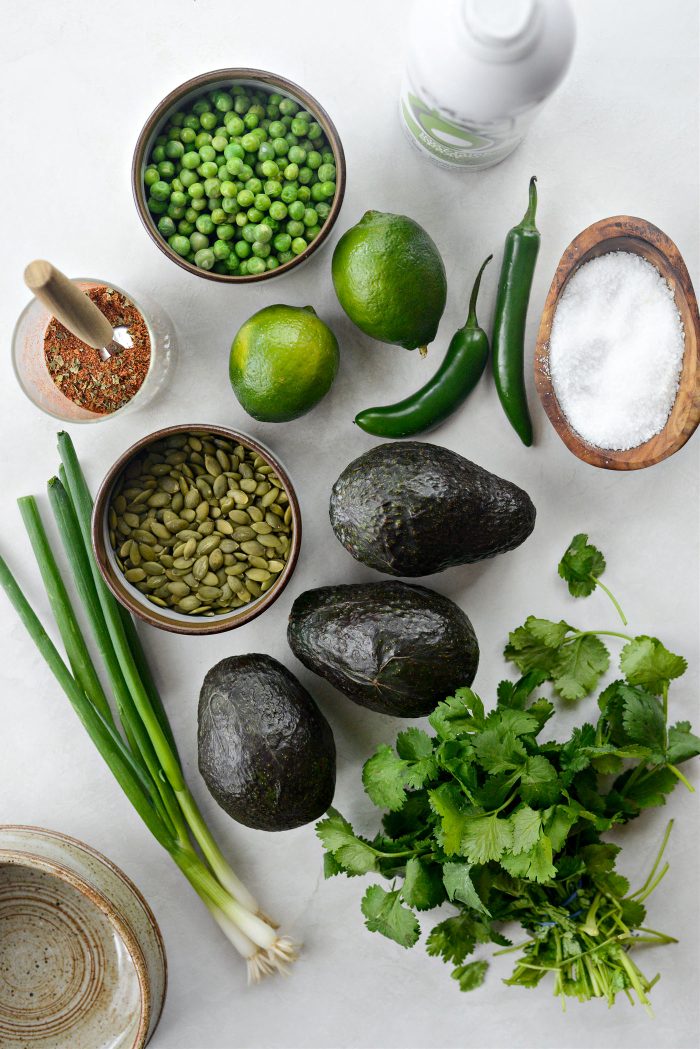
145 762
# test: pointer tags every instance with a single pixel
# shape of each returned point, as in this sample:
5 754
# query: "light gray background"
621 135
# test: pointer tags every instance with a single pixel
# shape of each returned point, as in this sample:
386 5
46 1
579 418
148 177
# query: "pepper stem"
528 221
471 319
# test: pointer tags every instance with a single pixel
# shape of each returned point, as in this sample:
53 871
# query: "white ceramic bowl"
82 962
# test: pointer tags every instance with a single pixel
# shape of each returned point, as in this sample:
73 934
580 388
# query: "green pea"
315 131
225 231
295 229
299 245
158 154
196 190
219 143
328 188
270 168
282 242
198 241
266 152
174 149
278 210
305 176
296 210
223 101
186 228
310 217
234 126
204 224
212 188
187 135
272 188
208 121
208 169
248 233
285 256
289 193
250 143
312 231
166 226
160 190
191 160
256 265
262 202
221 250
150 175
207 153
263 233
218 216
255 216
288 107
296 155
323 210
205 258
202 139
180 245
230 205
242 249
280 146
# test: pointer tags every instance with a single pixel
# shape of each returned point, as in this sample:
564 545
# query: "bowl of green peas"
238 175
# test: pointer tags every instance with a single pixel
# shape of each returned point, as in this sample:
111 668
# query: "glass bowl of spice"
196 529
70 380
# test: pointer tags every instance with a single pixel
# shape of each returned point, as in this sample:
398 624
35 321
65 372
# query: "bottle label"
460 145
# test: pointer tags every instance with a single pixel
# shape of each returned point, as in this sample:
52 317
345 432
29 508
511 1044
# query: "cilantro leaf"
646 662
535 864
459 885
383 777
423 887
456 756
499 751
486 838
539 783
385 913
558 821
578 666
649 791
535 645
520 722
453 939
414 745
581 565
682 744
527 824
459 714
448 803
354 855
644 722
513 694
471 975
331 867
386 775
410 821
600 858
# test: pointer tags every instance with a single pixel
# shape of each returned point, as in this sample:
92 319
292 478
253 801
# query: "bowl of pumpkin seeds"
196 529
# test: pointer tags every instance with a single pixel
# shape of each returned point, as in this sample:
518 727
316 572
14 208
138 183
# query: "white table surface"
621 135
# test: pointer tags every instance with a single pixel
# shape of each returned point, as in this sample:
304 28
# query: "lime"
283 361
390 279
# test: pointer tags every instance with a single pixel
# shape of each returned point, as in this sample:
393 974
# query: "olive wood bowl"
627 233
131 598
188 92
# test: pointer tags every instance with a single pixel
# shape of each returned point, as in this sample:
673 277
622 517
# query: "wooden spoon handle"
68 303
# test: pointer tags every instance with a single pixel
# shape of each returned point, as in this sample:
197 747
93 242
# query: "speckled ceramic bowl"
82 963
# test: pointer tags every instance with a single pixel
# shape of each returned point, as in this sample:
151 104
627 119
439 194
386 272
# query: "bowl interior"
170 619
642 238
202 85
66 975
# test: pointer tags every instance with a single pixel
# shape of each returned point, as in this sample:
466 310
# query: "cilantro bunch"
507 826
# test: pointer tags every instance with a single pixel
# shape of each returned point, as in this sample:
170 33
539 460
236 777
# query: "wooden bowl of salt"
582 392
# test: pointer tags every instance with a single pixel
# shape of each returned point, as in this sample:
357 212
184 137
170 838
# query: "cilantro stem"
657 861
677 772
596 633
659 877
612 597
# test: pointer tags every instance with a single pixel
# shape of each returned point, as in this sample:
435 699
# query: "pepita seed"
257 562
261 528
182 563
188 603
135 575
208 544
179 588
189 548
216 560
200 567
241 517
258 575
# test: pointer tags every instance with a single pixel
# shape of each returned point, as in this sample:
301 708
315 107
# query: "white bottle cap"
501 23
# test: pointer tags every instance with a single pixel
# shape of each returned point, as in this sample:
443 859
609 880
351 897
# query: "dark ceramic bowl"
188 92
165 618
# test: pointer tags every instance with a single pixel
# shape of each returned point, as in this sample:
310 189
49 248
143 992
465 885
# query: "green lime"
283 361
390 279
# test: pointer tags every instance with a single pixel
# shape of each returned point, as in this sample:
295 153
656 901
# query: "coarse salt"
616 351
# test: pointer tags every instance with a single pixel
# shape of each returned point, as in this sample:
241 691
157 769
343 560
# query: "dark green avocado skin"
410 509
266 752
396 648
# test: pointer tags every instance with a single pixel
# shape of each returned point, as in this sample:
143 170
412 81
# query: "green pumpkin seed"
258 575
202 511
169 485
240 498
275 566
261 528
224 527
179 588
209 593
192 499
248 484
188 603
235 570
208 544
269 541
188 515
269 498
182 563
159 530
205 528
216 560
253 547
257 562
135 575
220 487
241 517
200 567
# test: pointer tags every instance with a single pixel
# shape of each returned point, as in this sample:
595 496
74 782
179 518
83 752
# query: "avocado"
394 647
266 752
409 509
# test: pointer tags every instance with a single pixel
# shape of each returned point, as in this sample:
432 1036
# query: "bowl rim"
598 239
199 83
156 617
26 858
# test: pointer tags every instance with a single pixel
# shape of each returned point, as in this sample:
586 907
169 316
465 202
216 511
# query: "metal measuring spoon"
75 310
